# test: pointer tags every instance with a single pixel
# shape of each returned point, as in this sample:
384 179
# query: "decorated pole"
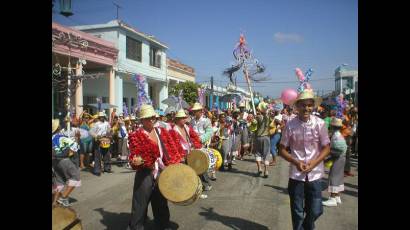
250 65
245 71
68 95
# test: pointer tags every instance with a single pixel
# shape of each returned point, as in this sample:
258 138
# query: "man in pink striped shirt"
307 137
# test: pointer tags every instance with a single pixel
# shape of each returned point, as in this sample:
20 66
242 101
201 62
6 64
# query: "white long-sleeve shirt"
100 129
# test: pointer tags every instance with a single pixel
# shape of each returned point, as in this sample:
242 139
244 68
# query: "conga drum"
201 160
179 184
218 159
65 218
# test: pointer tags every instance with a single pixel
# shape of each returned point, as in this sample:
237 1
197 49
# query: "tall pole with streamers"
250 66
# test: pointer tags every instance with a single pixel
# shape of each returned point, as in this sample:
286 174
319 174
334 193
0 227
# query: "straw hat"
133 118
336 122
95 116
55 123
101 114
197 106
181 114
308 94
146 111
127 118
241 105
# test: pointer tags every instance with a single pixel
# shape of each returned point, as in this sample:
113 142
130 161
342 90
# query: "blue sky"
283 35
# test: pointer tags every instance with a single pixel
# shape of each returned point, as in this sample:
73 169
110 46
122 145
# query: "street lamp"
65 8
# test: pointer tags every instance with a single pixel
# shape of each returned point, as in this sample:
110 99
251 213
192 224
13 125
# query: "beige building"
178 72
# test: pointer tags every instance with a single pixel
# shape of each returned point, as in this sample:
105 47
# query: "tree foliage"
190 91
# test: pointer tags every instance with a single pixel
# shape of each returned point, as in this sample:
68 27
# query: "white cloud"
287 38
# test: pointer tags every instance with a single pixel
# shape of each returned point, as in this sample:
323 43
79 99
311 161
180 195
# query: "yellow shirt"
253 126
272 128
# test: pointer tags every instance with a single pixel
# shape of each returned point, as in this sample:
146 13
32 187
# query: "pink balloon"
288 95
300 74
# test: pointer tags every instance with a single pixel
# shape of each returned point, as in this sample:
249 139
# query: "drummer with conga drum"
203 127
101 131
152 149
184 135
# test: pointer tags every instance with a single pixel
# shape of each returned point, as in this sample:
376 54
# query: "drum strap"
189 138
70 226
162 145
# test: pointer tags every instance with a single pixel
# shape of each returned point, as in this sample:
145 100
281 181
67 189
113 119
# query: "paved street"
238 200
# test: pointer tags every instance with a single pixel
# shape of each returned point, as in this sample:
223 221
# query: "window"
151 92
104 99
155 57
132 101
133 49
89 100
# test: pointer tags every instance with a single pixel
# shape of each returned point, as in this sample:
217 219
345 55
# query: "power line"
276 82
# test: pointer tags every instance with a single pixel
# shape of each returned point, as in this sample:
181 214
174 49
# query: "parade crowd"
307 133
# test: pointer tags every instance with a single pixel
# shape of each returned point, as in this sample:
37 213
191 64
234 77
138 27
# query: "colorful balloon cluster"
340 105
304 79
288 95
142 97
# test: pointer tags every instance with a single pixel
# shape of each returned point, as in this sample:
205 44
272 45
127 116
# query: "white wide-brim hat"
101 114
181 114
197 106
55 123
147 111
308 94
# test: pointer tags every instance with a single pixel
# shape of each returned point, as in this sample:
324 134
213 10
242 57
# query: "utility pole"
118 6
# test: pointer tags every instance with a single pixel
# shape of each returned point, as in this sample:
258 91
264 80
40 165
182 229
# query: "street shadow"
130 171
120 221
282 190
351 185
351 193
236 171
113 220
249 160
231 222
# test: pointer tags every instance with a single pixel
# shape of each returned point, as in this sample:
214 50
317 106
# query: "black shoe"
97 174
229 166
265 176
